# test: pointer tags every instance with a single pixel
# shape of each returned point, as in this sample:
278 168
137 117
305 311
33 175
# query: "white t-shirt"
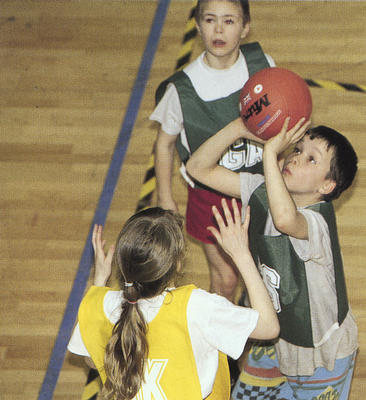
337 341
214 324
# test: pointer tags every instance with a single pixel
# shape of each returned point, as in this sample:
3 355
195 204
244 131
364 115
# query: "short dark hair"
343 165
244 4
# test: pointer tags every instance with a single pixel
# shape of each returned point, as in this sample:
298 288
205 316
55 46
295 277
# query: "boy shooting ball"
293 236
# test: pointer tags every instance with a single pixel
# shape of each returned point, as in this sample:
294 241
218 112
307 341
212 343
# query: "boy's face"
305 170
221 27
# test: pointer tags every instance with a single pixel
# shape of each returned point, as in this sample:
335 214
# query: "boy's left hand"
285 138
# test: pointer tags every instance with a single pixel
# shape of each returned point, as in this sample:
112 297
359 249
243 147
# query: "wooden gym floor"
67 71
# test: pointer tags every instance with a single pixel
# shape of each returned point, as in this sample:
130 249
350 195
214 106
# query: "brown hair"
244 4
343 165
149 250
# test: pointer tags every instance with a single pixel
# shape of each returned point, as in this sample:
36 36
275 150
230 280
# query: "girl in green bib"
196 102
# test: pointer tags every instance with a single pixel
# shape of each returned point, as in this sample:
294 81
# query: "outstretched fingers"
237 214
227 213
220 223
94 236
103 262
98 242
223 227
299 129
230 236
287 137
285 125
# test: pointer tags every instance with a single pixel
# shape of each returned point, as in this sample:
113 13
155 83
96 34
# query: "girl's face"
221 28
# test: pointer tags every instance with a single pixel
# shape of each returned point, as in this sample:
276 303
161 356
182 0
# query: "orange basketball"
269 97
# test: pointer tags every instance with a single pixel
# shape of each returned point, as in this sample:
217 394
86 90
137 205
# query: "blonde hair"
149 250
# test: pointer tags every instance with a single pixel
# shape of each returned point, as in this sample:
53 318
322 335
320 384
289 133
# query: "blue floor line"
79 285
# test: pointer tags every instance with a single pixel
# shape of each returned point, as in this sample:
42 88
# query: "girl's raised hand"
232 235
103 262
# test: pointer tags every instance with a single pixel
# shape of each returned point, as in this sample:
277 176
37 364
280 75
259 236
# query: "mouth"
218 43
286 171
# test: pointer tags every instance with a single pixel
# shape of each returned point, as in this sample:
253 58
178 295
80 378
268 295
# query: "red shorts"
199 212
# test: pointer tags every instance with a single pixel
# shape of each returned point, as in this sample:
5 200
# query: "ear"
327 187
197 27
245 31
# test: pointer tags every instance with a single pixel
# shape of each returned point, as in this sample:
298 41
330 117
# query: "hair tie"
128 284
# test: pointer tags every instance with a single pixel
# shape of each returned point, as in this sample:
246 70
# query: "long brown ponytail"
149 250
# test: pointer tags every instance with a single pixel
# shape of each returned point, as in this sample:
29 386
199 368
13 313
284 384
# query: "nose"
219 26
295 159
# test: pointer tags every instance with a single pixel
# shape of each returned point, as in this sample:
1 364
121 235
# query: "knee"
223 282
227 277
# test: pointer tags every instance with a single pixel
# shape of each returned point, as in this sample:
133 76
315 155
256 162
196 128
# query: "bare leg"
223 273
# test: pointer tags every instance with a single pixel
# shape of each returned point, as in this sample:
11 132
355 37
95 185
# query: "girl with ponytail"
151 340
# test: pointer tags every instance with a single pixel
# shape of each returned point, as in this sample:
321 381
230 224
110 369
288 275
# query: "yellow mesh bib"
170 371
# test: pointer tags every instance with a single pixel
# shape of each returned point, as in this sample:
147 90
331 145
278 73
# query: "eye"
229 21
296 150
312 160
209 20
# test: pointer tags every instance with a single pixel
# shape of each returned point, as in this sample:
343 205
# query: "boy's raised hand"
286 137
232 235
103 262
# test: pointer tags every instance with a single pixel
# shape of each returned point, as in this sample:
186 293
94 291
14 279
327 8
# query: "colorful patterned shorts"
261 379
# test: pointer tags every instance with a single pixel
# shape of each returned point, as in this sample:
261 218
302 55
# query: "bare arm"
233 238
103 268
203 167
284 212
164 157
